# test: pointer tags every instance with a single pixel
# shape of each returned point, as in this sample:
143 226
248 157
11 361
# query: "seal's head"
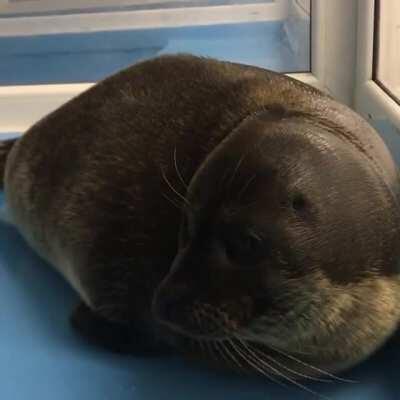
287 256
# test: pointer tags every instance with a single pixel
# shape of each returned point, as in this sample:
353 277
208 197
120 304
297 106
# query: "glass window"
387 46
391 136
53 41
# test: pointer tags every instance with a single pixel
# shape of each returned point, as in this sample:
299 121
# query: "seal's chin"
261 353
193 319
191 327
190 332
235 352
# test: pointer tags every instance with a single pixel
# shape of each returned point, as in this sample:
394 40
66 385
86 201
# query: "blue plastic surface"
42 358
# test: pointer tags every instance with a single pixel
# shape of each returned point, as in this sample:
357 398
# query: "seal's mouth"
209 333
195 325
198 335
196 320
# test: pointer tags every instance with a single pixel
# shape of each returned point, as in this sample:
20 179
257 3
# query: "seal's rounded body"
97 188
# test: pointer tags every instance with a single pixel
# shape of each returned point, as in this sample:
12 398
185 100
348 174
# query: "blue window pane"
391 136
281 44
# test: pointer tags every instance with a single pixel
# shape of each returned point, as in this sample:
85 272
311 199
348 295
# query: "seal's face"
287 250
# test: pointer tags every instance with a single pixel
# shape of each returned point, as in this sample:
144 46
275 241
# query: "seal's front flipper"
113 336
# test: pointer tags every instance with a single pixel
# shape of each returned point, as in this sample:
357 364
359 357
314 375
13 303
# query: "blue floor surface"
42 358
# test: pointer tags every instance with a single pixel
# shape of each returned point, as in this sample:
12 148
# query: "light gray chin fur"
330 337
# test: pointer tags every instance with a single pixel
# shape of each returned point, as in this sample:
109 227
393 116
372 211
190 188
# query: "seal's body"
290 231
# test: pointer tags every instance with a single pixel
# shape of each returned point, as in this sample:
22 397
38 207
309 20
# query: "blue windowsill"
89 57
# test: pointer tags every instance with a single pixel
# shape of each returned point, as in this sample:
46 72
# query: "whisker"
254 365
201 344
292 381
219 346
245 154
231 356
177 205
210 350
204 345
224 178
257 360
238 164
177 170
311 366
245 186
173 189
258 353
263 372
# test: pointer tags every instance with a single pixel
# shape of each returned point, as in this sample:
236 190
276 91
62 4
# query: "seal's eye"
299 202
245 248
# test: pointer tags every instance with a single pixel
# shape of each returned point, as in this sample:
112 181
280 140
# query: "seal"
223 210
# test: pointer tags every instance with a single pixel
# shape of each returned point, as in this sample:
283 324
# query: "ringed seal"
195 203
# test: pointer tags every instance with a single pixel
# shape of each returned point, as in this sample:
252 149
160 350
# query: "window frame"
377 48
332 27
371 100
141 19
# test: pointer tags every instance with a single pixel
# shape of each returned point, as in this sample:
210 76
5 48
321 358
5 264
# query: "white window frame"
140 19
371 101
333 61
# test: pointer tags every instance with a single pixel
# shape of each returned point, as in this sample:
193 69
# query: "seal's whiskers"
231 355
261 356
280 351
219 346
245 186
178 172
180 195
211 350
201 344
173 202
255 365
236 169
262 364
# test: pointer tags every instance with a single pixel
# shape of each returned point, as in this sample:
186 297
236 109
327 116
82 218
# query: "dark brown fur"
95 188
